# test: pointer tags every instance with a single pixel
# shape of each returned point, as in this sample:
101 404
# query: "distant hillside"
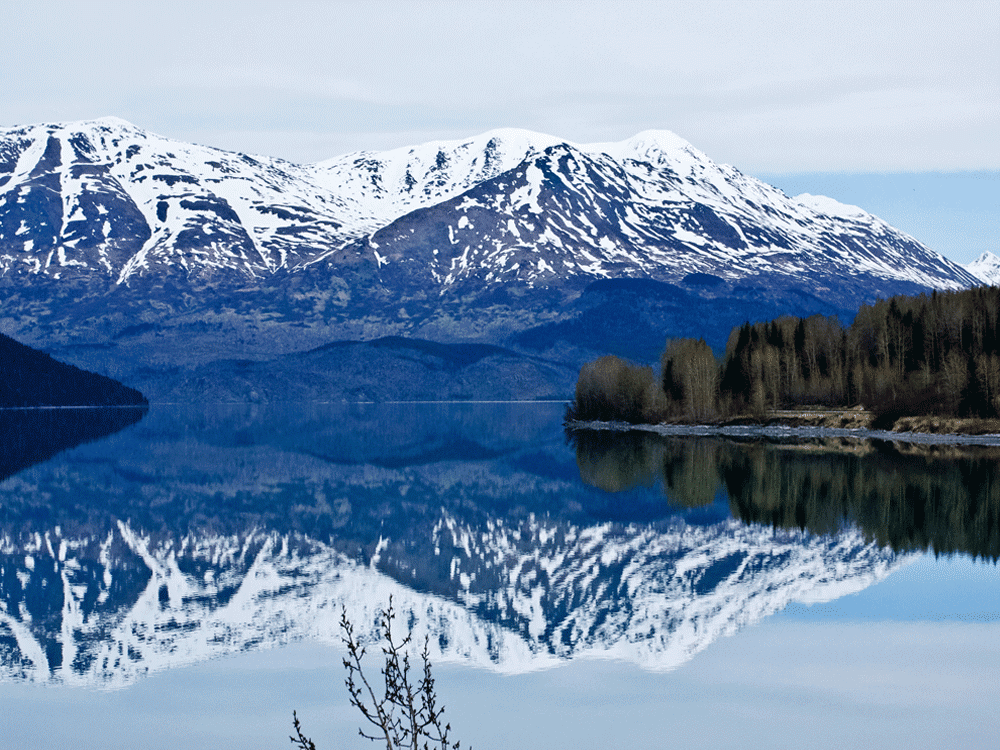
32 378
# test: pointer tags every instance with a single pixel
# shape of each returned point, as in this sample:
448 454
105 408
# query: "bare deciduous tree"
406 715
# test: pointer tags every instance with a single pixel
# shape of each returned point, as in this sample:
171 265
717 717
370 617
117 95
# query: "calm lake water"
176 579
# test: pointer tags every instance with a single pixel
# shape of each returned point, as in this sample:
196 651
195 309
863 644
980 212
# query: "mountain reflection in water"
30 436
200 532
943 498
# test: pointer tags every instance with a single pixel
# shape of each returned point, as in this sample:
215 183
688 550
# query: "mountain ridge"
89 153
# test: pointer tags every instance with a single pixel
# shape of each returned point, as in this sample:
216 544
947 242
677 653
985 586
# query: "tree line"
908 355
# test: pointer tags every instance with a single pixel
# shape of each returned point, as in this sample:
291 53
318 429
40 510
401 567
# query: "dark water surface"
179 582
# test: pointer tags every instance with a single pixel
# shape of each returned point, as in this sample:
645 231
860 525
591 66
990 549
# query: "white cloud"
775 86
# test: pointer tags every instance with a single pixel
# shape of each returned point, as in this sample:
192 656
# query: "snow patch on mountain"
381 186
829 207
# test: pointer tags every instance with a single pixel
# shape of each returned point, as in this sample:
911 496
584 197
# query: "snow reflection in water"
203 532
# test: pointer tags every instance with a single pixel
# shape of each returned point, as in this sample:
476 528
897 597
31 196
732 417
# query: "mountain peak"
514 137
519 143
986 257
986 267
824 205
109 122
646 142
513 141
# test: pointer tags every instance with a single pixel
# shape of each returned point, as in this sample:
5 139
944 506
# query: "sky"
782 90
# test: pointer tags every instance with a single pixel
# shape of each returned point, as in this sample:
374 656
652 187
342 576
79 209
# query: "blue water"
179 583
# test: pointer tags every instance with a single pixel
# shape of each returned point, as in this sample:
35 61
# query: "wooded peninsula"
903 356
31 378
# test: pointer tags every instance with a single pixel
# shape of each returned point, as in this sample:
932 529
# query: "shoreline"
50 408
777 431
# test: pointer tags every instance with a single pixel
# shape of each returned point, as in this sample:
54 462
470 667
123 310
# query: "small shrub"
611 389
406 715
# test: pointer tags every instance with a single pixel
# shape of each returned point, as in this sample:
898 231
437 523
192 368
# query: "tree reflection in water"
943 498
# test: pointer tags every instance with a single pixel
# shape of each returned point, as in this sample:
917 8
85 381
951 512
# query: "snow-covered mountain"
105 197
116 244
652 207
986 268
389 184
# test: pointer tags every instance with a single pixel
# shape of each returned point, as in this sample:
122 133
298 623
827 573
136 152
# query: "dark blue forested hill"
29 377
